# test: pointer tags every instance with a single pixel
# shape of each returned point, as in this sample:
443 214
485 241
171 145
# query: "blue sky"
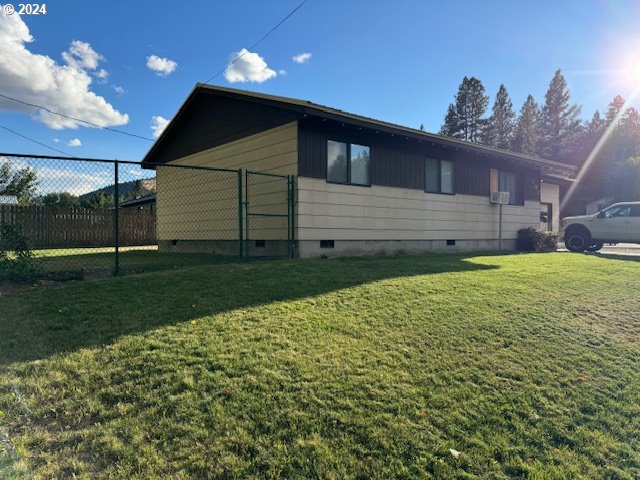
397 61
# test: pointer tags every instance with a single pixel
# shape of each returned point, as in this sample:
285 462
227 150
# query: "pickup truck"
619 223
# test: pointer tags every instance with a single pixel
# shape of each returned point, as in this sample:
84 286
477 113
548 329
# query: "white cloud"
74 142
56 140
119 90
64 176
158 124
282 72
249 67
135 173
162 66
302 57
82 55
102 75
41 80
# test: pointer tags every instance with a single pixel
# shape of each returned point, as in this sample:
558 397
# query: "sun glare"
634 71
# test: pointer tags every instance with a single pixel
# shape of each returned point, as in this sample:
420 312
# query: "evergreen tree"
464 117
560 127
500 125
451 127
616 105
527 129
61 199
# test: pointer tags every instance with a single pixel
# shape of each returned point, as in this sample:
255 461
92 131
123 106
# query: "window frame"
439 163
349 176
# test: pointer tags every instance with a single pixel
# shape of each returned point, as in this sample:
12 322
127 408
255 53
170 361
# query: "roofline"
307 108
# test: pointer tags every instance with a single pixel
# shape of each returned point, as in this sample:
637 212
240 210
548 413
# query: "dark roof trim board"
309 109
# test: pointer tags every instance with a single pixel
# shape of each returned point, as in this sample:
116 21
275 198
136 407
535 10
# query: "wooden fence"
56 227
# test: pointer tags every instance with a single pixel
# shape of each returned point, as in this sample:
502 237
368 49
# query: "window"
505 181
348 163
618 211
439 176
327 243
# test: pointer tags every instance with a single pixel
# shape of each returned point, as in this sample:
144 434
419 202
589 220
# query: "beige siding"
328 211
550 193
203 205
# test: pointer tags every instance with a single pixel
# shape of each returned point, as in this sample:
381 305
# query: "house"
362 186
144 202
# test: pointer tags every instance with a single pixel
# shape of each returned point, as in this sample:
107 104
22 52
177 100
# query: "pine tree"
499 127
560 126
464 118
527 129
451 126
614 108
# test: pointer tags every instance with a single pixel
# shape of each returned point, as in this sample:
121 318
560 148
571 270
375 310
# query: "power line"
35 141
74 118
258 42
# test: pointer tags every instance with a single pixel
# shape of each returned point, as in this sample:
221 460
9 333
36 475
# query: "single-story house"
362 186
144 202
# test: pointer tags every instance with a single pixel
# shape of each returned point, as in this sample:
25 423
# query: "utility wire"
258 42
35 141
74 118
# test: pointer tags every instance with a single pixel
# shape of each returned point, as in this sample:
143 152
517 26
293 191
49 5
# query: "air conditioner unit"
500 198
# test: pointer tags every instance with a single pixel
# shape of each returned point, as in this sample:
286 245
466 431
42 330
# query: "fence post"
240 234
293 214
246 212
289 230
116 212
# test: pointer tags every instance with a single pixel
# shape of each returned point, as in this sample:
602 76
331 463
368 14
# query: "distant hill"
126 189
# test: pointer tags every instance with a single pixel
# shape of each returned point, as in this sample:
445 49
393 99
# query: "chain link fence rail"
83 218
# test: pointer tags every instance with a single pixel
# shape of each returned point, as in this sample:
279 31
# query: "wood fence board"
56 227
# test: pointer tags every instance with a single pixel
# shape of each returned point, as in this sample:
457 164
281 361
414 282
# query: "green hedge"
531 239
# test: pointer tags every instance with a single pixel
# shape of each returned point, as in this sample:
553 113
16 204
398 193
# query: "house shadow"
40 322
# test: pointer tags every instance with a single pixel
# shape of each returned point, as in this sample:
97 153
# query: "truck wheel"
595 247
577 240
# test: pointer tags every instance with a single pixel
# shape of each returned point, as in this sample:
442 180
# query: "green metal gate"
269 219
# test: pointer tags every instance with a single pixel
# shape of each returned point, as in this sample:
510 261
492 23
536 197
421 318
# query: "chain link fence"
67 218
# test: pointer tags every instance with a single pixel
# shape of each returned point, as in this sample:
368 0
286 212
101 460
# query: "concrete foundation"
252 248
311 248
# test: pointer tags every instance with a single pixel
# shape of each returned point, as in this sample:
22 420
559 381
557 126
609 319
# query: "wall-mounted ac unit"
500 198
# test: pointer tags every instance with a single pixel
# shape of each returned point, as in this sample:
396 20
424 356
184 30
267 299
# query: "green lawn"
70 263
528 365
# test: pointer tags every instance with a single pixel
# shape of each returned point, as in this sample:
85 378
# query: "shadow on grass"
38 323
70 264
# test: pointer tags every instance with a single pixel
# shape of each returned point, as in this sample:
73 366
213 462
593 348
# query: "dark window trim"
348 182
440 192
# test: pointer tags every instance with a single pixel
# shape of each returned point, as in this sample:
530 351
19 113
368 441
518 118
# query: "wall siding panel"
203 205
339 212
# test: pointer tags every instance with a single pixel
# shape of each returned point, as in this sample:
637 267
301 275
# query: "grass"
70 263
528 365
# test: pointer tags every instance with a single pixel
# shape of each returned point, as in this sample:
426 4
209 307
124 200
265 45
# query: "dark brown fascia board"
306 108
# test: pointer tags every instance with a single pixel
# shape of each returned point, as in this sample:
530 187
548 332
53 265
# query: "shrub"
16 258
531 239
